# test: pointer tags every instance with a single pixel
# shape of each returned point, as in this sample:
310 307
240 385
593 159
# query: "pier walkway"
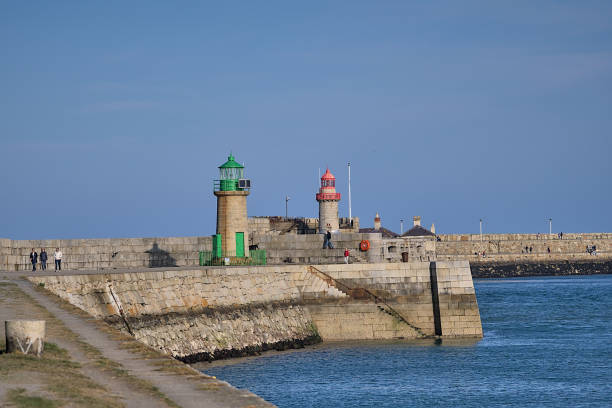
132 374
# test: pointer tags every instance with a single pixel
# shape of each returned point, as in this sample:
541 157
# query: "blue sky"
115 115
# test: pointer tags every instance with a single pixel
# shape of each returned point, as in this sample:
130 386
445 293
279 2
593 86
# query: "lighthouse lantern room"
231 176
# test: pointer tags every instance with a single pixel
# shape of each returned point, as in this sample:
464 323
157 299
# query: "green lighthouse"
231 190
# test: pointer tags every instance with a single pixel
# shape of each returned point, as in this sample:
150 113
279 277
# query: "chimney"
377 222
433 228
417 220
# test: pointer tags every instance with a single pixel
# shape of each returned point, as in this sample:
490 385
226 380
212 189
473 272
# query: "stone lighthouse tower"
328 203
232 224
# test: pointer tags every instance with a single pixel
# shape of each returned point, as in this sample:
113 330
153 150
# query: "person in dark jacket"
327 241
43 259
33 259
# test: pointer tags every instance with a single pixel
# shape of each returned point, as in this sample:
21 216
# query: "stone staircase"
364 294
314 287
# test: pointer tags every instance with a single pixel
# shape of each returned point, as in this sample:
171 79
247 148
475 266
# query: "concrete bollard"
26 336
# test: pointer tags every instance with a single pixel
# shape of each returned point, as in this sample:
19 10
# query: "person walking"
58 259
33 259
346 255
328 239
43 259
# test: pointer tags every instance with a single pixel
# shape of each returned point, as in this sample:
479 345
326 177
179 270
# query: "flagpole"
349 191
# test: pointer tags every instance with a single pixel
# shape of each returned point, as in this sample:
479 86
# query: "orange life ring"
365 245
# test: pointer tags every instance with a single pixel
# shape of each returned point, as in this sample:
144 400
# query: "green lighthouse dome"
231 163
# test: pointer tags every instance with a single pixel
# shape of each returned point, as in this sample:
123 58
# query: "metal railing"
328 196
256 257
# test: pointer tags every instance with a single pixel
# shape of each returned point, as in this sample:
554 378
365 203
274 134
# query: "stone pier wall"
123 253
407 289
511 247
204 313
109 253
210 313
307 249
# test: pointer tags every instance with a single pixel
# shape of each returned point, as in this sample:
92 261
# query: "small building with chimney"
419 242
378 228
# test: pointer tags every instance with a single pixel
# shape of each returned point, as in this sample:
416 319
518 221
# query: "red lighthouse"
328 203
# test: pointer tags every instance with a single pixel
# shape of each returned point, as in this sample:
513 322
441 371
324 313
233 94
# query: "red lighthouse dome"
328 180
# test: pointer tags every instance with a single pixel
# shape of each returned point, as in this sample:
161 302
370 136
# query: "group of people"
35 257
526 250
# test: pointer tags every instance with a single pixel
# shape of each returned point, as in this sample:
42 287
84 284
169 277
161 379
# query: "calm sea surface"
547 342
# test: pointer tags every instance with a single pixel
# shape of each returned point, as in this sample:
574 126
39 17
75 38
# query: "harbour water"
547 342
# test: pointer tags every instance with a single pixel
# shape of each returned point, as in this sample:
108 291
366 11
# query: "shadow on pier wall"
158 257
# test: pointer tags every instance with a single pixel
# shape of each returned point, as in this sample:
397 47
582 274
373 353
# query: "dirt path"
38 380
183 386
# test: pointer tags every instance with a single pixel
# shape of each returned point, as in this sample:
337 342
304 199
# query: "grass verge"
18 398
61 377
64 387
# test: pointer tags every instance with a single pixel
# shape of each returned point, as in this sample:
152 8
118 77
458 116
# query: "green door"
240 244
217 250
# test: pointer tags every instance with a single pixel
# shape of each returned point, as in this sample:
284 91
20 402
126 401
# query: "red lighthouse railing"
328 196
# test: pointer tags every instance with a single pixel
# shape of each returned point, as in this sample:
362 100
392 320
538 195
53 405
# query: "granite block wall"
407 288
459 314
201 314
307 249
109 253
213 312
515 247
301 225
358 321
119 253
